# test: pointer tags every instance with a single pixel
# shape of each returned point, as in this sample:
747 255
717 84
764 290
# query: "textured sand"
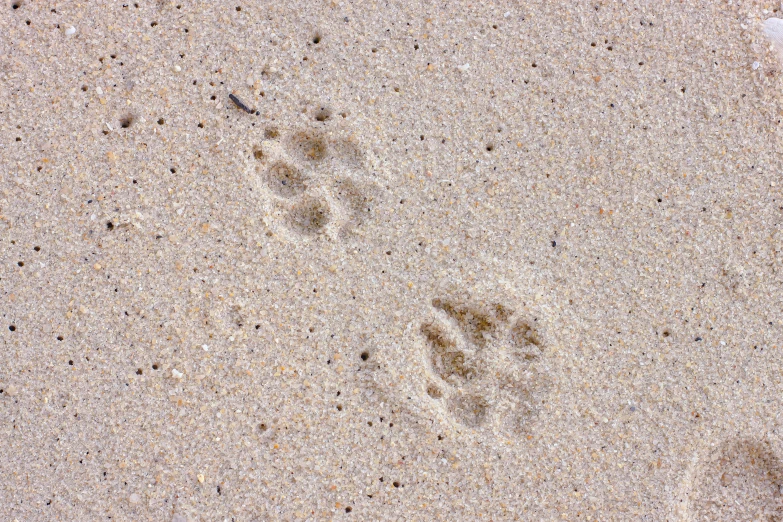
456 262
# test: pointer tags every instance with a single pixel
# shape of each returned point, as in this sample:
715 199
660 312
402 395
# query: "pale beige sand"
468 262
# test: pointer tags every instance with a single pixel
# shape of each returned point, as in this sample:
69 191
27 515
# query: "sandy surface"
455 262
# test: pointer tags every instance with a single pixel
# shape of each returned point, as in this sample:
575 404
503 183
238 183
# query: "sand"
439 261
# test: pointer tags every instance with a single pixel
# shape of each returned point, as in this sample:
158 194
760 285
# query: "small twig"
240 104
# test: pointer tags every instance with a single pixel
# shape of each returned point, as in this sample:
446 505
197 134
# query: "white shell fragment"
177 374
773 29
70 30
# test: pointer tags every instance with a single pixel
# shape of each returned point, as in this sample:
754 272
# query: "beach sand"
434 261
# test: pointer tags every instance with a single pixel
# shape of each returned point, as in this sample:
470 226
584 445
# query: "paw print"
313 186
737 479
482 364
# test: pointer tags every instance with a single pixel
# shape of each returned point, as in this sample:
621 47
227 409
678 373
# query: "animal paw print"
742 479
483 365
313 186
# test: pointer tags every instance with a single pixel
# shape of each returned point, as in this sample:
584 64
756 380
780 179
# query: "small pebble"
177 374
200 478
70 30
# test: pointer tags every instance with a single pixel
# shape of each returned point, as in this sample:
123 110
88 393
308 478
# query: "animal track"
741 480
482 365
314 186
